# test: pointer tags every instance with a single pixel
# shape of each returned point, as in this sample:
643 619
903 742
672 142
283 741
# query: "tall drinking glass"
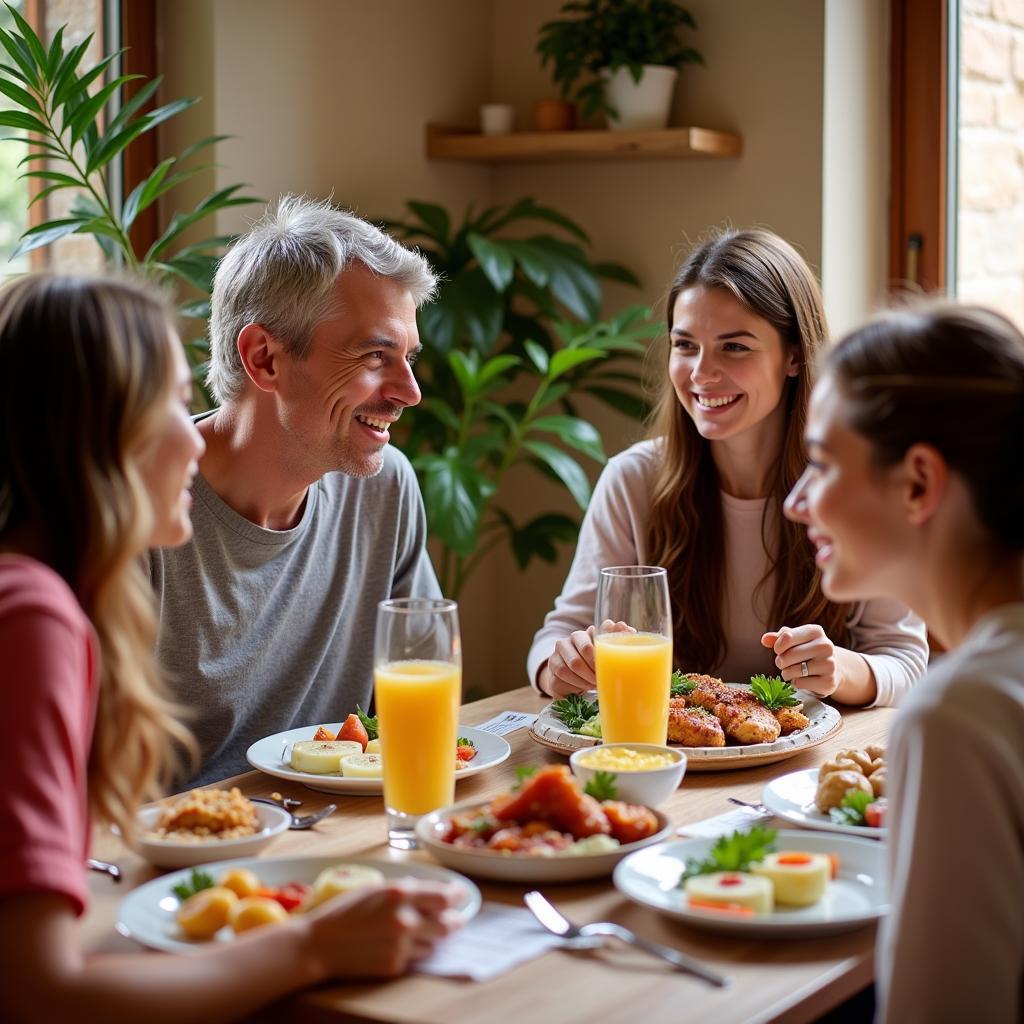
418 686
634 665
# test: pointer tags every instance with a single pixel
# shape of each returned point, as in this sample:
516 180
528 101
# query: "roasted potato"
833 787
877 780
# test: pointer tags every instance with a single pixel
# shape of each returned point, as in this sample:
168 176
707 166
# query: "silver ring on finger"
804 670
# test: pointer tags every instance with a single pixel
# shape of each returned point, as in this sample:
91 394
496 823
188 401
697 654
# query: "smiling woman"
703 498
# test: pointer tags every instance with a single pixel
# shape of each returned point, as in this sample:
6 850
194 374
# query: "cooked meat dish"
792 719
744 718
693 727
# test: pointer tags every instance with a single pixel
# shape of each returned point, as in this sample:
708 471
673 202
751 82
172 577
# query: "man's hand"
796 646
571 667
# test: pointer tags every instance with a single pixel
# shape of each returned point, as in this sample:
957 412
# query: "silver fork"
299 821
554 921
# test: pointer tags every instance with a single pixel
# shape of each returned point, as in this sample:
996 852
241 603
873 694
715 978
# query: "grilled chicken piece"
694 727
744 718
791 719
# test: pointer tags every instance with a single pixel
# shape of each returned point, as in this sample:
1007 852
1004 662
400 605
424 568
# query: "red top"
48 692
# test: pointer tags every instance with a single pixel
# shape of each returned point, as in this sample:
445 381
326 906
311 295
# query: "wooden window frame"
919 215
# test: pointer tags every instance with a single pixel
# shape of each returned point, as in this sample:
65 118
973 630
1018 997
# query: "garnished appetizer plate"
523 868
858 895
825 721
272 755
791 797
148 914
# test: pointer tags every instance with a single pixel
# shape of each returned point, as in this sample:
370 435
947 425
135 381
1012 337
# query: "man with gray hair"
304 517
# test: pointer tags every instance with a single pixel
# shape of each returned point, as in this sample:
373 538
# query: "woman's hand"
797 647
570 669
381 932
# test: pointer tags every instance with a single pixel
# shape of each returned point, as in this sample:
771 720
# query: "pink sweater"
891 638
48 690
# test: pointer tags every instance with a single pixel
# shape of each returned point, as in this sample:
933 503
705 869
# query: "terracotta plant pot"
554 116
640 106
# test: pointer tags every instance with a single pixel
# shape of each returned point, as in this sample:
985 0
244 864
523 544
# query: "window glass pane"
13 190
990 156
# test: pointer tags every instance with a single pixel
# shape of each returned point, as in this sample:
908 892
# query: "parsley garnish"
523 772
682 684
464 741
773 692
733 853
196 882
370 724
601 786
851 810
574 710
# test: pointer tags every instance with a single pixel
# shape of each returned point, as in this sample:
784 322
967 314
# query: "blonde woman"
704 498
97 453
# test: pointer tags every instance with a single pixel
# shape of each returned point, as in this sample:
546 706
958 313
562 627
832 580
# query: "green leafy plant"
681 684
196 882
607 35
602 786
852 808
511 342
773 692
574 711
734 852
76 134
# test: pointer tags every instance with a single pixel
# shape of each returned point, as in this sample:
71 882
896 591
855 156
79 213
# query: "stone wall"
990 256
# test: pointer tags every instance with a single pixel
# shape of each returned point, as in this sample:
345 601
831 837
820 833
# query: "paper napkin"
723 824
507 721
497 939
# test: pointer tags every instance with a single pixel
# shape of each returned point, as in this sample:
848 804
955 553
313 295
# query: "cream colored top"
891 638
952 948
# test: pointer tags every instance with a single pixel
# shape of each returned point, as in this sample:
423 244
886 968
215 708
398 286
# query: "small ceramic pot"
554 116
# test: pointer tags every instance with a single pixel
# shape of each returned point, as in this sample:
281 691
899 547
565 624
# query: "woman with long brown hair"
703 498
97 454
914 489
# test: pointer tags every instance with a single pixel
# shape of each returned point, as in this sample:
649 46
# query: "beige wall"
331 96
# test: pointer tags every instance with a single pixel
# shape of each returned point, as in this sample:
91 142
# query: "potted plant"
512 341
629 52
76 137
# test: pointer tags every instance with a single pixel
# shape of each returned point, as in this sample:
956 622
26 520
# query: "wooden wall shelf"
444 143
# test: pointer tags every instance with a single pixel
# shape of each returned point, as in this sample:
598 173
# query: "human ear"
926 480
259 351
795 363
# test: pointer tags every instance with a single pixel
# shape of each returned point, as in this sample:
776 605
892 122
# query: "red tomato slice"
353 729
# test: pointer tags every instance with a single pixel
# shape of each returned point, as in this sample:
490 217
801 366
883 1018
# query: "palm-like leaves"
511 310
63 112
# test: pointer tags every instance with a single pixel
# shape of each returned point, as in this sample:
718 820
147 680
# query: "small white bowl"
651 787
177 853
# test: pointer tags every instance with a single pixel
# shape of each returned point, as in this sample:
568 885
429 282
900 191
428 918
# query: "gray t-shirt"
265 630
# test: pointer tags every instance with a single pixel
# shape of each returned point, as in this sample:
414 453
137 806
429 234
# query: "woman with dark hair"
96 462
703 498
914 489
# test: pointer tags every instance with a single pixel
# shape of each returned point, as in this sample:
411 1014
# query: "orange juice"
634 673
418 709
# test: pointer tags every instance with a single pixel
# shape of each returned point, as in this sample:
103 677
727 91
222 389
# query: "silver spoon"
747 804
548 916
104 867
299 821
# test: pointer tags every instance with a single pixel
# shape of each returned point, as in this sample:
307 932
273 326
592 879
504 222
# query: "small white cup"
497 118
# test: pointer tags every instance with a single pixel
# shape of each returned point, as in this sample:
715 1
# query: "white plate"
180 853
825 722
507 867
857 897
792 797
147 914
270 755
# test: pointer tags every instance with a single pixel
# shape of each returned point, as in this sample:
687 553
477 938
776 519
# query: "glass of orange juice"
417 687
633 653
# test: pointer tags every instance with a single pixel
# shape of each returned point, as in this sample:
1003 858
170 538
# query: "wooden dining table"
788 980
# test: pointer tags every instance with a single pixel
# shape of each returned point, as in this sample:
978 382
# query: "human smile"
716 401
823 547
378 426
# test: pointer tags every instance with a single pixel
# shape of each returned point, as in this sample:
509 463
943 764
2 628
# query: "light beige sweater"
891 638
